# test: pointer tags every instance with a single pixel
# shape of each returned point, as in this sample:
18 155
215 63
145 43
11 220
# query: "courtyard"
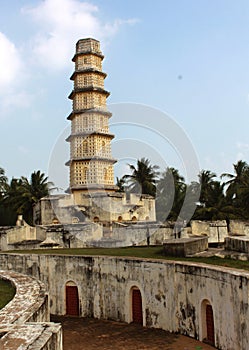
93 334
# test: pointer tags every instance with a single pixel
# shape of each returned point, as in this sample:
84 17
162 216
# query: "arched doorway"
137 308
208 330
72 299
210 324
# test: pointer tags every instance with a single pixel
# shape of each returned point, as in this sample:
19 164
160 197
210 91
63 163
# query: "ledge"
89 111
86 134
87 70
88 89
29 305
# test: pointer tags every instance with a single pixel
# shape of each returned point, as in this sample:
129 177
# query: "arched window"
96 219
85 174
85 146
120 219
72 299
134 218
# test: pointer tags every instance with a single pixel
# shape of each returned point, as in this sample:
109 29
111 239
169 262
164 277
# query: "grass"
139 252
7 292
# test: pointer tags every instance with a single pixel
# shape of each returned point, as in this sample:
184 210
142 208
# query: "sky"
187 59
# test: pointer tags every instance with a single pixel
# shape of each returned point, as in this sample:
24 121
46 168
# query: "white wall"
172 292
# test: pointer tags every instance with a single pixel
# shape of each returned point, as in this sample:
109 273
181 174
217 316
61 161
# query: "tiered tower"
91 162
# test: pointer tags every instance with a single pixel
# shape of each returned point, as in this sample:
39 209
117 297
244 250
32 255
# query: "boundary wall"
174 295
24 321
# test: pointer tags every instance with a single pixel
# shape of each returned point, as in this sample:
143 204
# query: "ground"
92 334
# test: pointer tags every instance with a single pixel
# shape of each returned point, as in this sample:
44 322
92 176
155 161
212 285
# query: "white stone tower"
91 162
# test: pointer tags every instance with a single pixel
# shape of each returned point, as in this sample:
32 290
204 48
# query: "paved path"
92 334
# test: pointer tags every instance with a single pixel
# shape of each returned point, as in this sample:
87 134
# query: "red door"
210 324
72 301
137 312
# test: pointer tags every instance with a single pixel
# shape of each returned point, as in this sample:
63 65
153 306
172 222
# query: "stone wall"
237 244
238 227
215 230
174 294
24 321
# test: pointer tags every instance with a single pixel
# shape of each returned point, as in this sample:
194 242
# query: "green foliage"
217 200
143 177
19 196
171 191
7 292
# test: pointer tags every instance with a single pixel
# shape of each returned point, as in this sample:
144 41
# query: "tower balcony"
91 159
87 70
89 133
90 88
99 110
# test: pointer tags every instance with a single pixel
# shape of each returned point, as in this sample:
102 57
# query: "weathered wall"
24 321
237 244
215 230
238 227
173 293
104 207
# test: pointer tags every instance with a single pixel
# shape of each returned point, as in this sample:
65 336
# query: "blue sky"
189 59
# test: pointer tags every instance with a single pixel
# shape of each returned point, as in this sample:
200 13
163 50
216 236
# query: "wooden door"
210 324
72 301
137 311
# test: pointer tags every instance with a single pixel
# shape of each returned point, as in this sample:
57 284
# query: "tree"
143 177
237 191
170 194
206 181
236 180
3 181
120 183
22 194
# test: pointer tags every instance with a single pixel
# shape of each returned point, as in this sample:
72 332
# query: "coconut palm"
170 194
236 180
120 183
3 181
143 177
206 180
22 193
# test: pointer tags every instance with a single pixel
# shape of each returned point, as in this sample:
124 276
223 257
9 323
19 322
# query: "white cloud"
10 63
62 23
12 78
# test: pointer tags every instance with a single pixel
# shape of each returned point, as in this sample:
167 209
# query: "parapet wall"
174 294
24 321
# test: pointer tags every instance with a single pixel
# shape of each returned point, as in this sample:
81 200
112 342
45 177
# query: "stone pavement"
92 334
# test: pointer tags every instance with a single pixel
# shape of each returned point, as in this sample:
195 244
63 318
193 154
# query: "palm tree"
236 180
206 180
170 194
120 183
143 177
22 193
3 181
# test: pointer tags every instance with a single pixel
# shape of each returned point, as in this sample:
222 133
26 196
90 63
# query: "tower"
91 162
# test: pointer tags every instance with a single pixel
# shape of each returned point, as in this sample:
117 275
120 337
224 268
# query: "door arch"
72 299
208 330
136 306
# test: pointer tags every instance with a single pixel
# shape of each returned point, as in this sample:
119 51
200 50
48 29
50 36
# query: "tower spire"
91 161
